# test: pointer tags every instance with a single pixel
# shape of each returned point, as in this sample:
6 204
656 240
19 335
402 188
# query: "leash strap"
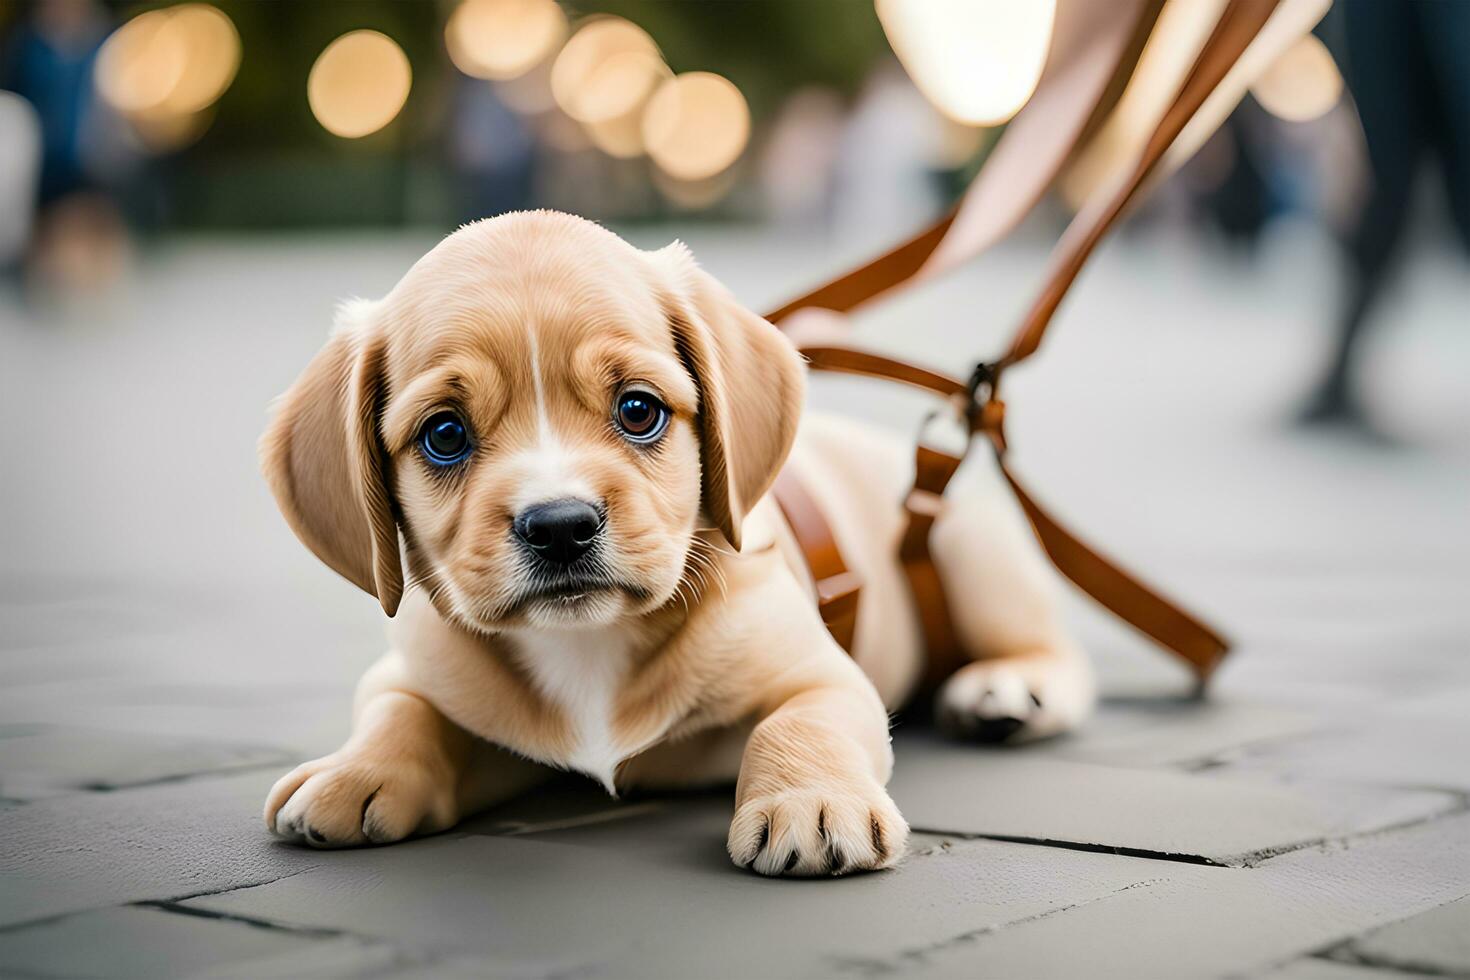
1094 48
1214 82
837 588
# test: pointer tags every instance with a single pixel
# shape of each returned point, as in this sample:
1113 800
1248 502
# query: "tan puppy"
568 442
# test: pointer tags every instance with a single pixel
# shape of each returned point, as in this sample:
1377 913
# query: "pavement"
167 649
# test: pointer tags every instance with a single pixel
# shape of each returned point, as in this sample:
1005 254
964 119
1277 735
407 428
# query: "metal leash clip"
984 411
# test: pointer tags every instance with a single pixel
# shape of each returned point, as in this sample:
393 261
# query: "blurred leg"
1446 29
1384 68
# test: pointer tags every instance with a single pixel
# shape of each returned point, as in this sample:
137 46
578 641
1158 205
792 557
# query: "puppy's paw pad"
996 702
818 832
334 803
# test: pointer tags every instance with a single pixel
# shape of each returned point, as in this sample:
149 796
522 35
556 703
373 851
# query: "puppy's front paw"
818 831
1016 700
345 801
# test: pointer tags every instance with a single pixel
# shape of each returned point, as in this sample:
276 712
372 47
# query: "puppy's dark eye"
640 416
444 439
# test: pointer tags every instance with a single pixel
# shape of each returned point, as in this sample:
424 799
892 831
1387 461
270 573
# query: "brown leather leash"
1095 49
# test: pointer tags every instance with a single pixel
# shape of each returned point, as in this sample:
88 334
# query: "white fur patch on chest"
582 671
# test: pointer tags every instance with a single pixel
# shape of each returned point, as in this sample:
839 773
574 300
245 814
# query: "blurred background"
124 127
1256 391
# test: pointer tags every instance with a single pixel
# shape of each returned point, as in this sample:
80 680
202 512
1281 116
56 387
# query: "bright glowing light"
358 84
621 137
164 132
696 125
503 39
606 70
1302 84
141 63
620 85
213 47
169 62
977 60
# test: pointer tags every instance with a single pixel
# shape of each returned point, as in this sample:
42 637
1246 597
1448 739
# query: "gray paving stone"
41 761
656 896
1162 732
311 719
137 942
1237 922
961 789
1389 751
1316 968
93 850
1435 942
352 959
336 957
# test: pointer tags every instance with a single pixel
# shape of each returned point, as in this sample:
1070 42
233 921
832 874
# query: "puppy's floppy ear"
326 464
751 386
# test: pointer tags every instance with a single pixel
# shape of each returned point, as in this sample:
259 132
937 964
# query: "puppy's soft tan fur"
701 658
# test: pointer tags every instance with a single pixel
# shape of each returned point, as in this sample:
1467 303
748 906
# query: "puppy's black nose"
560 531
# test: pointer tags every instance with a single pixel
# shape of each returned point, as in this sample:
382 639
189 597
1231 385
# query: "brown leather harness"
1095 49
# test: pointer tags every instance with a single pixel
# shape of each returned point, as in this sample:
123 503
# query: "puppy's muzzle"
559 531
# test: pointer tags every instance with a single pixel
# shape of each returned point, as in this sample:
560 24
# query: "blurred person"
20 174
49 61
801 157
885 176
1407 66
1235 194
79 241
492 150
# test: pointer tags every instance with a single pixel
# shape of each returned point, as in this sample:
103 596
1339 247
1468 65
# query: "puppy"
566 443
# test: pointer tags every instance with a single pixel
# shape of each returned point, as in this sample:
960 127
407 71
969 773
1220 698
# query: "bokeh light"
213 56
358 84
620 85
141 63
696 125
165 65
166 132
1302 84
503 39
621 138
606 70
978 61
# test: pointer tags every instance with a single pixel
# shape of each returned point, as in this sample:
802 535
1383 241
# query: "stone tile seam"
1347 951
404 955
1250 748
1460 804
1344 953
57 917
269 925
1085 846
285 759
918 955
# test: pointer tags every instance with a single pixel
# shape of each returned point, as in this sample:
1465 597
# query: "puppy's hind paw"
818 832
1016 700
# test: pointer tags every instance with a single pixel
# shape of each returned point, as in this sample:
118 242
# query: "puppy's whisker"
710 544
703 555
